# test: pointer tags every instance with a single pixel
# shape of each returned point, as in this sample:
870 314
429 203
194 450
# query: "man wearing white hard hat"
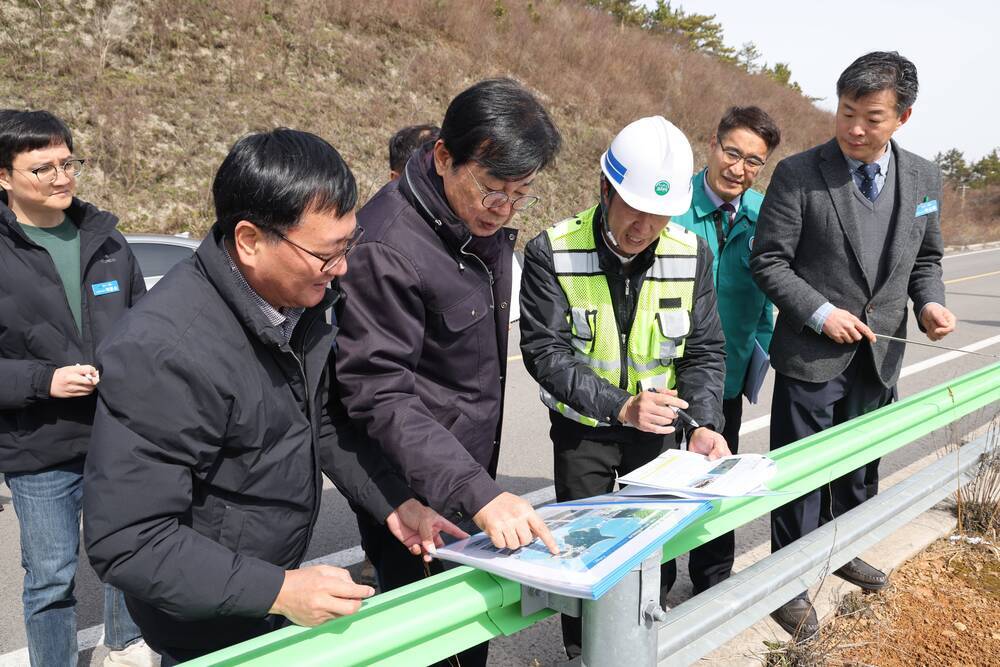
618 301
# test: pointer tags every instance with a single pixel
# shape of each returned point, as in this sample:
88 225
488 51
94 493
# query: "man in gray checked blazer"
847 232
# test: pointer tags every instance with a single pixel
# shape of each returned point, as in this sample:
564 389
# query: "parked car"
157 253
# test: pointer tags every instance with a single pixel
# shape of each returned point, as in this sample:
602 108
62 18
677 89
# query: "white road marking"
971 252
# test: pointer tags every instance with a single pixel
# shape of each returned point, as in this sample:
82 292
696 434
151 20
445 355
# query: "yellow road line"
962 280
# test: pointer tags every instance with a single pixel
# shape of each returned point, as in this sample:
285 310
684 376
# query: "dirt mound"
943 608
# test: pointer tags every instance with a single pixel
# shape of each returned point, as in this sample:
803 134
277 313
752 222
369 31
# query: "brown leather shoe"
798 618
860 573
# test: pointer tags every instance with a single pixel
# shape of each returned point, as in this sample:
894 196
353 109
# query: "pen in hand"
684 417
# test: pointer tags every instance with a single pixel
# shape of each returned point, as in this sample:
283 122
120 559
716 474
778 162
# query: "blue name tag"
105 288
927 207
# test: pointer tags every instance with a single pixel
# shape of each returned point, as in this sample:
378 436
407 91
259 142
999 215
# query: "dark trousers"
396 567
585 468
800 409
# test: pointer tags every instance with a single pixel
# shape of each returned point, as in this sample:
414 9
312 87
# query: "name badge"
927 207
105 288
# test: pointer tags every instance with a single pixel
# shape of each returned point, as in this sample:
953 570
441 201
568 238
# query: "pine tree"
954 167
702 31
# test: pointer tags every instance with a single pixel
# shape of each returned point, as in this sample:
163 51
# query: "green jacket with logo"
746 314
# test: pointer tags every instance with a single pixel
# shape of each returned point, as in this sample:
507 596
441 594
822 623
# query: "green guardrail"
439 616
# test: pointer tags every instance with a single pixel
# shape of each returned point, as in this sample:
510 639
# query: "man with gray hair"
848 231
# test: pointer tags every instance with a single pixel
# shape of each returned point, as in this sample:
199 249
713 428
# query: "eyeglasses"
497 198
330 261
752 162
48 173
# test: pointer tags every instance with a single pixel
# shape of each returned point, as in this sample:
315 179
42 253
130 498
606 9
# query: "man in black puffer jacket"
66 277
204 482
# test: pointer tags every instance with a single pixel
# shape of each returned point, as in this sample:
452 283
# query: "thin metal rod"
937 346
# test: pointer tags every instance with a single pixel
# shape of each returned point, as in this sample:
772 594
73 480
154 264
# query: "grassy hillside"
157 91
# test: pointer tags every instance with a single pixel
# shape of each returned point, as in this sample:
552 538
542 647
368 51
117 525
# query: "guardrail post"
620 627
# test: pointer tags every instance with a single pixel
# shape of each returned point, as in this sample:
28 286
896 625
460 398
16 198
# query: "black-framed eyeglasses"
48 173
752 162
497 198
330 261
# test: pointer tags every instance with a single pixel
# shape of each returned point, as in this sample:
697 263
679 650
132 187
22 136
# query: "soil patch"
943 608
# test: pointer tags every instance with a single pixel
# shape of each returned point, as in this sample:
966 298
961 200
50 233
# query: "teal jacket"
745 312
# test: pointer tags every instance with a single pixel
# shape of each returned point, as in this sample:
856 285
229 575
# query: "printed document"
689 475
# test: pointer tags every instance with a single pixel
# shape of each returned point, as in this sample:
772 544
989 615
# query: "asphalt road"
973 286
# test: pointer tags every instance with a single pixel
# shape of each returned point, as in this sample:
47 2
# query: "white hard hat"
650 165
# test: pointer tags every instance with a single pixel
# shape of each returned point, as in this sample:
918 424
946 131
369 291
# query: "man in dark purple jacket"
423 340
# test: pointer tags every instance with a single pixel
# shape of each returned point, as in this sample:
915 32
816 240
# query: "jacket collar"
704 206
424 189
212 258
94 224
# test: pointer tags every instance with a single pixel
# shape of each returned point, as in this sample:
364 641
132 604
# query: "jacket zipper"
623 335
489 273
318 477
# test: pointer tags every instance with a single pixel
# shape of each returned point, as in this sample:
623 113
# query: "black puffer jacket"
203 481
551 360
38 335
423 341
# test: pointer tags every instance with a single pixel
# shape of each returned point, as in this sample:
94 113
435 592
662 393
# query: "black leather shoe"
798 618
864 575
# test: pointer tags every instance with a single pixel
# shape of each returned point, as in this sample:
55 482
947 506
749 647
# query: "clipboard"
760 361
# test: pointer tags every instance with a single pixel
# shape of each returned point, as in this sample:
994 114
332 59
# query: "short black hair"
272 178
407 140
22 131
499 124
881 70
755 120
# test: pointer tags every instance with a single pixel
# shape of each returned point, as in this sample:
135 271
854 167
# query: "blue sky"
949 43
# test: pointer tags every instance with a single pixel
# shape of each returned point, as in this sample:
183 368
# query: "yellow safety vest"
662 315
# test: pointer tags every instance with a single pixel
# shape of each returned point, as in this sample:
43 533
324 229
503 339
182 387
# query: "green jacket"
745 312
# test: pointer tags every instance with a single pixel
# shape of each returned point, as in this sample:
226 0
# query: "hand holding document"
600 539
689 475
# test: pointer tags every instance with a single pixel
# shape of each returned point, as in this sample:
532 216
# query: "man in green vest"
724 213
619 325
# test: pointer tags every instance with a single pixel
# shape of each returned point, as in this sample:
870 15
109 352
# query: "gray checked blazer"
808 251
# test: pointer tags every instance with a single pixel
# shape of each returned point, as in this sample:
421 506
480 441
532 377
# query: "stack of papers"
689 475
600 539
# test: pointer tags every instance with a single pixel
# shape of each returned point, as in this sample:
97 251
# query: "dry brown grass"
977 504
971 218
157 90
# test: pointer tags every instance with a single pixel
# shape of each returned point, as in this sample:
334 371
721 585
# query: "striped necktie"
723 220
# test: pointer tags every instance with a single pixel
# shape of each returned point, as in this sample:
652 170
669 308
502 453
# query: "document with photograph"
689 475
600 539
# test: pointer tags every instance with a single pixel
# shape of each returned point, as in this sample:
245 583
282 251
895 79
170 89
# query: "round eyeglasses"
497 198
48 173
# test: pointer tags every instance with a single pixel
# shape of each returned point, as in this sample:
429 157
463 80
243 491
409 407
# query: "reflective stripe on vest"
663 310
